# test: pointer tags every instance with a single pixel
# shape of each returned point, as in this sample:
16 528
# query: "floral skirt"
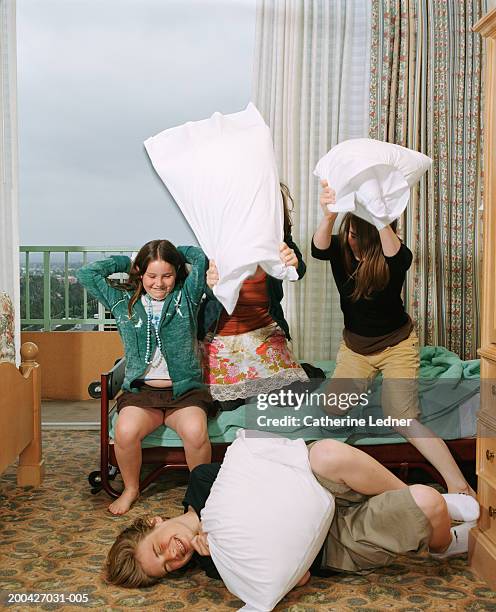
242 366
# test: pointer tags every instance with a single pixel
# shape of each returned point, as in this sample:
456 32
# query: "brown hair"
122 567
372 273
288 209
152 251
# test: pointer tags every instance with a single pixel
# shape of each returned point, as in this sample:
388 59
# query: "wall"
71 360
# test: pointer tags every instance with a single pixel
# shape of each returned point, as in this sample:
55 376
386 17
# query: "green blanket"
438 362
445 383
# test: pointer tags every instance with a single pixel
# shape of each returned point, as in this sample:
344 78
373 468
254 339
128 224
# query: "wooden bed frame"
403 458
20 417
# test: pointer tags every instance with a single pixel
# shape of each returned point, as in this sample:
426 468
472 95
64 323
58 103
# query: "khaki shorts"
399 366
368 532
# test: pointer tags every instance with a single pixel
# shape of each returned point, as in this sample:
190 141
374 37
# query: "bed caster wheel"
95 390
95 490
95 479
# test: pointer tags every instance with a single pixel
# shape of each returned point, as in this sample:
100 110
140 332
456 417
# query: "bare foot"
122 504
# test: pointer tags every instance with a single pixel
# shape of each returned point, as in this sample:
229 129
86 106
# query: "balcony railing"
47 276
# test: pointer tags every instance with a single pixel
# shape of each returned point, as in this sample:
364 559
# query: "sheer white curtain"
9 230
311 84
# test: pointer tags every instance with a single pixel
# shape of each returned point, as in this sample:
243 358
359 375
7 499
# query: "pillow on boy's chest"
223 175
372 178
266 517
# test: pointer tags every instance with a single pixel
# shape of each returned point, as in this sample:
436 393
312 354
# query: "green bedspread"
445 384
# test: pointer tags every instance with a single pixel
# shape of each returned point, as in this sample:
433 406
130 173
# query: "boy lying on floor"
377 517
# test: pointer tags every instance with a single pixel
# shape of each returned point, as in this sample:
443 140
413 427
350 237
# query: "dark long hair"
372 273
288 204
152 251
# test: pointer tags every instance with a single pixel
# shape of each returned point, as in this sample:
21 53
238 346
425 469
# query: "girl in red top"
247 352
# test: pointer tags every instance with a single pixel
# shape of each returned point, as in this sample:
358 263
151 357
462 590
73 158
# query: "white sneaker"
462 507
459 541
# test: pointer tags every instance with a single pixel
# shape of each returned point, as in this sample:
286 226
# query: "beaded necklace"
149 360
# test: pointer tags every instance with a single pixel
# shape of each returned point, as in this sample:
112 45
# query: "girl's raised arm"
195 281
390 242
94 278
323 234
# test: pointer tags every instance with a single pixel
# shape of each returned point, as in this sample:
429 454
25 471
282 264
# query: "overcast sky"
98 77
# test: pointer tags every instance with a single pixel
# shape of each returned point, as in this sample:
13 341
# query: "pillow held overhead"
266 517
222 173
372 178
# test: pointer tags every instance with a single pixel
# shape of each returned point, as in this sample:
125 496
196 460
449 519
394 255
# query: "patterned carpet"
54 540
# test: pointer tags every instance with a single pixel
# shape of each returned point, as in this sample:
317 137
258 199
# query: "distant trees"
57 298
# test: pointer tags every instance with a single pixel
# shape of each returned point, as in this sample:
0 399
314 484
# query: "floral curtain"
425 93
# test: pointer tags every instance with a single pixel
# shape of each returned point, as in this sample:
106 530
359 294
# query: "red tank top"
251 311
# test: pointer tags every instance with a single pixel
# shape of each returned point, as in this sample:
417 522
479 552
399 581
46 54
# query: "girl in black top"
369 268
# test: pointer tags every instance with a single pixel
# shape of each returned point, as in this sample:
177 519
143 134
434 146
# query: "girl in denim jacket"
156 315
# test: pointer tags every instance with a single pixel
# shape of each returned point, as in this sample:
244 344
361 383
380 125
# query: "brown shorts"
368 532
162 399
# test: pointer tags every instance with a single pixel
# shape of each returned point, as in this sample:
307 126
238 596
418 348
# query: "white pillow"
266 517
372 178
223 175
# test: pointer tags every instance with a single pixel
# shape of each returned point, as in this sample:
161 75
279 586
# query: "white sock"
459 541
462 507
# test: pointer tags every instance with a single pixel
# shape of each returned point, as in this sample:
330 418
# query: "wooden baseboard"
482 556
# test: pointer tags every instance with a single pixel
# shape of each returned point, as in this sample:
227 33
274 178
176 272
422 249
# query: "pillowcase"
266 517
222 173
372 178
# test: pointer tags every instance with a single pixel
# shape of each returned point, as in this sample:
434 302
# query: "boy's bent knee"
327 457
430 501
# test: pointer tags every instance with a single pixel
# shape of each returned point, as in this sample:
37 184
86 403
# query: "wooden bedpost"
31 464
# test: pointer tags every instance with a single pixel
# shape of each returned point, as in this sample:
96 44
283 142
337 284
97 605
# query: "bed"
449 392
20 404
